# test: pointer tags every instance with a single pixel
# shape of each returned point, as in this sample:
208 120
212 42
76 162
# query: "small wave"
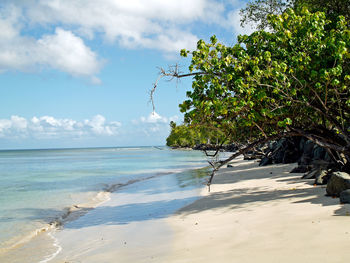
71 213
126 149
17 242
77 210
55 244
68 214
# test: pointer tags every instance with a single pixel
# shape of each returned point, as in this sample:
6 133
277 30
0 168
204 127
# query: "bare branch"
173 72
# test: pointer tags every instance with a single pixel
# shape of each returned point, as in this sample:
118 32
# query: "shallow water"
37 185
132 225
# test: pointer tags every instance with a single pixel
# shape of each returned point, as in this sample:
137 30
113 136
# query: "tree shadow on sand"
128 213
247 198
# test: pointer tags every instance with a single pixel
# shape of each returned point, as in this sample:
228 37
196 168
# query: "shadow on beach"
295 189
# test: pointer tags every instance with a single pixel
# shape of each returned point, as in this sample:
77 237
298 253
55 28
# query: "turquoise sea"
37 186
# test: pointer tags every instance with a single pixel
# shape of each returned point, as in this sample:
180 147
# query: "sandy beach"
262 214
252 214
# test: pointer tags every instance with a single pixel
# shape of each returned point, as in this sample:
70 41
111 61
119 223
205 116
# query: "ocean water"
37 186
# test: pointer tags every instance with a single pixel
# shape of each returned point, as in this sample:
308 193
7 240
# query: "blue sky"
76 73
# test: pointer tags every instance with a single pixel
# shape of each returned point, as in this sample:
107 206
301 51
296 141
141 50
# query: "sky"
77 73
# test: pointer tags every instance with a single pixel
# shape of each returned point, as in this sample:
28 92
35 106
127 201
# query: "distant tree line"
190 136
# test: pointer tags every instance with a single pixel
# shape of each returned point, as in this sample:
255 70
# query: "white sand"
252 214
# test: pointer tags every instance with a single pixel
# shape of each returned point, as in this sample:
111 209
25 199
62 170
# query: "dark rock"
305 159
319 153
345 197
278 156
286 150
301 169
327 157
290 150
269 146
214 147
231 147
302 144
306 156
229 165
321 164
273 145
338 182
291 156
321 176
308 148
310 175
265 161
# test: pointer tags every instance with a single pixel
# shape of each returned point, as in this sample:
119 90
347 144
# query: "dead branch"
173 72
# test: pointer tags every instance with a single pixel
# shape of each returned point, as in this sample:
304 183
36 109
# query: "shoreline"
129 221
251 213
44 239
250 209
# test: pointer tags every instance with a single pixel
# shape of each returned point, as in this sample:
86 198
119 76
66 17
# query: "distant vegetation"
290 80
187 136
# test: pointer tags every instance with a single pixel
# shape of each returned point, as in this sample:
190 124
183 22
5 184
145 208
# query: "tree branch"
247 148
173 72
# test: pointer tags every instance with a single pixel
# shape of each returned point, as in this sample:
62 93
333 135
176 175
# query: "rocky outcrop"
214 147
285 150
307 152
311 174
295 149
338 182
265 161
301 169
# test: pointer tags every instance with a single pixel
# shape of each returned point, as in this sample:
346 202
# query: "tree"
293 80
332 8
257 11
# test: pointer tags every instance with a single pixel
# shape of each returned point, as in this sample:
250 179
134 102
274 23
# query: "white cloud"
157 24
154 124
4 125
155 118
15 124
67 52
133 23
154 24
50 127
62 50
233 20
18 123
99 126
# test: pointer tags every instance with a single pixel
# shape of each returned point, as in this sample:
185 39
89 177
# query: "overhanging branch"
171 73
247 148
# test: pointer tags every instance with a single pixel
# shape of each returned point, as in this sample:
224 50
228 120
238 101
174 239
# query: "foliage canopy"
293 79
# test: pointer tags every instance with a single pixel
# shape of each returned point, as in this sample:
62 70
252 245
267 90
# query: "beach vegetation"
291 80
185 135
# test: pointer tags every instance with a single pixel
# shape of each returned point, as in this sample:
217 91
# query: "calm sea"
36 186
